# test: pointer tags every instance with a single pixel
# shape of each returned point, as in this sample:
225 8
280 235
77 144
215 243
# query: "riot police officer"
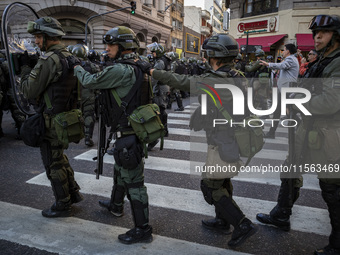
260 81
160 90
323 123
87 95
50 78
216 188
123 76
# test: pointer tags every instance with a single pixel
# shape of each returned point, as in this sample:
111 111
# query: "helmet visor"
320 21
109 39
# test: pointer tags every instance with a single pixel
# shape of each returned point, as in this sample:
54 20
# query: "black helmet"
270 58
80 51
156 47
123 36
325 22
45 25
93 55
220 46
259 53
239 56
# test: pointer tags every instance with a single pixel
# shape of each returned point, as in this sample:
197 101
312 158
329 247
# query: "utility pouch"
314 141
331 144
69 127
32 131
147 124
128 152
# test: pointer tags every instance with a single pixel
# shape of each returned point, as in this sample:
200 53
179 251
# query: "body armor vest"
63 93
113 115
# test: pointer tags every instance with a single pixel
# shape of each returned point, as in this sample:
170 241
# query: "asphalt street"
176 203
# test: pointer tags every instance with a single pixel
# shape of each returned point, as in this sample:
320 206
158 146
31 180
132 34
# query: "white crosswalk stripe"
306 219
192 201
77 236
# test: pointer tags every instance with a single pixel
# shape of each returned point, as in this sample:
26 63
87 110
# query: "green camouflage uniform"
34 84
121 77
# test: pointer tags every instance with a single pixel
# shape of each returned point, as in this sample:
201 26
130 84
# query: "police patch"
33 75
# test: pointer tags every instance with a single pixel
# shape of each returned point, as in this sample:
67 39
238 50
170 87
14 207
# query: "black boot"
218 225
273 219
137 235
117 211
330 193
142 232
179 102
328 250
179 109
88 141
243 227
280 214
116 204
241 232
58 209
74 188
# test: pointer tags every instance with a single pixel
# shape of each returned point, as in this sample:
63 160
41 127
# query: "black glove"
73 61
144 66
24 59
33 60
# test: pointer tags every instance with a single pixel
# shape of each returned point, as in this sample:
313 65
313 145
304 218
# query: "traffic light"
133 7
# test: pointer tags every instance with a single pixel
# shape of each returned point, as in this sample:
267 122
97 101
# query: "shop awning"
264 41
305 42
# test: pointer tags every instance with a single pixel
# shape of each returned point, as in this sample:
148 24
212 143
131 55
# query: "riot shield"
16 41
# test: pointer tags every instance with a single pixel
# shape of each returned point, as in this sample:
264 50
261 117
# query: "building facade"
150 22
177 22
273 23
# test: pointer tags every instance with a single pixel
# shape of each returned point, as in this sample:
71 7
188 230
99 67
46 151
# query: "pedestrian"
49 77
289 71
312 58
323 123
121 46
217 190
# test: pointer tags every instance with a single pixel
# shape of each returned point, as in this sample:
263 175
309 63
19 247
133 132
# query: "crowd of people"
121 69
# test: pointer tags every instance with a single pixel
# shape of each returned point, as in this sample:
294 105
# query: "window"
180 25
174 23
257 7
179 43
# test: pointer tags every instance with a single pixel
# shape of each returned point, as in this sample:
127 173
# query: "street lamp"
133 8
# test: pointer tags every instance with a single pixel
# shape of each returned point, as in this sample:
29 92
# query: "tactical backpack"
249 136
68 120
144 120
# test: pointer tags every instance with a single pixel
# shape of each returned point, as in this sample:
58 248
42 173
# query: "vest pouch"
250 139
69 127
146 123
128 152
32 131
331 144
314 141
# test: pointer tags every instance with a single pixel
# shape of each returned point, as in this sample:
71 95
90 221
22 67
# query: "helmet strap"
119 53
44 47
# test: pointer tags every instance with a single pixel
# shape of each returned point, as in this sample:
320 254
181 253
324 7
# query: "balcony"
205 30
205 15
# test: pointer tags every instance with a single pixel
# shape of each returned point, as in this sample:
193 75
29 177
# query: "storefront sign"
269 24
